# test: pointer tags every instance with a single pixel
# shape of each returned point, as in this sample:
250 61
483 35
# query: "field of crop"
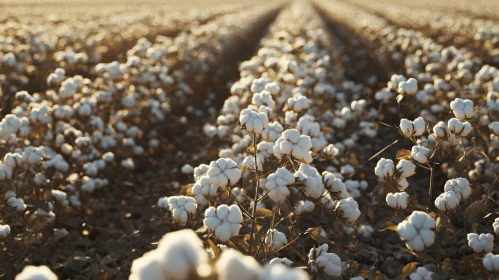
258 140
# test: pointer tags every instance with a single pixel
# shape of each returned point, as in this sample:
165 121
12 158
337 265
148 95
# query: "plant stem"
253 224
430 203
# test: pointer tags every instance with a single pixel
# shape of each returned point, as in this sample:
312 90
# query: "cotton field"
259 140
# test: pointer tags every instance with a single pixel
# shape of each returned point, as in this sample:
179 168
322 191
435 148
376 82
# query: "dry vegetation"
321 139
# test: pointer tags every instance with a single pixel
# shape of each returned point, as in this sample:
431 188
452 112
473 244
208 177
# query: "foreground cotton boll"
409 87
293 144
491 262
275 239
278 184
177 257
481 243
462 109
421 273
459 128
334 185
319 260
279 271
234 265
460 186
397 200
417 231
406 168
414 128
4 231
181 207
447 201
348 209
385 168
420 154
223 172
225 221
253 122
312 180
36 273
202 190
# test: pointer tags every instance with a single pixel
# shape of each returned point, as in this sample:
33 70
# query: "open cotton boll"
223 172
406 168
409 87
283 272
304 206
177 257
495 225
414 128
462 109
272 132
263 98
385 168
348 209
181 207
494 127
4 231
460 186
459 128
320 260
200 170
417 231
313 185
275 239
440 130
420 154
225 221
481 243
447 201
395 80
334 185
491 262
397 200
298 103
234 265
253 122
277 184
202 190
31 272
294 144
17 203
365 230
421 273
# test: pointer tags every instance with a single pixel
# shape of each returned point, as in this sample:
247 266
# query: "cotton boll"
334 185
272 132
397 200
481 243
460 186
17 203
200 170
304 206
459 128
494 128
177 257
409 87
312 180
88 184
187 169
440 130
202 190
447 201
294 144
365 231
298 103
275 239
279 271
5 171
495 225
277 184
181 208
491 262
36 273
128 163
4 231
420 154
414 128
395 81
223 172
234 265
421 273
321 261
406 168
253 122
348 209
462 109
417 231
225 221
384 168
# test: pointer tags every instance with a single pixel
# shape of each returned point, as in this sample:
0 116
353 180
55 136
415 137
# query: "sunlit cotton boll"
283 272
202 190
417 231
320 260
181 207
481 243
304 206
298 103
462 109
275 239
234 265
36 273
294 144
461 186
409 87
459 128
348 209
495 226
272 132
397 200
420 154
447 201
414 128
223 172
225 221
406 168
177 257
385 168
4 231
365 231
253 122
313 185
334 185
277 184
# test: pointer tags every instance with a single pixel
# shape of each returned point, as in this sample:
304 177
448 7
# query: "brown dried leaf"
317 234
403 154
408 269
474 212
214 248
264 213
